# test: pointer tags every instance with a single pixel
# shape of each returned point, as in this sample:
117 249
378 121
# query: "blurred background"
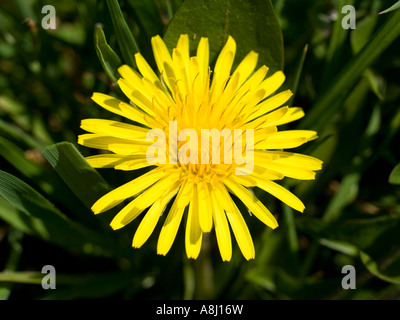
348 83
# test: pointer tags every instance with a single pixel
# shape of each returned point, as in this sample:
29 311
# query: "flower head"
204 136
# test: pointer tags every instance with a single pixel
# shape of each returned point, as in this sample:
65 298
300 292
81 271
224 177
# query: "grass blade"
392 8
108 58
81 178
330 102
126 41
33 214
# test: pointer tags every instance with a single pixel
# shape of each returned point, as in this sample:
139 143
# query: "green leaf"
340 246
81 178
33 214
331 101
346 195
253 24
376 268
284 285
18 134
14 240
71 33
336 44
108 58
365 234
360 36
377 83
28 277
394 177
126 41
74 286
26 9
147 16
392 8
40 175
17 158
294 84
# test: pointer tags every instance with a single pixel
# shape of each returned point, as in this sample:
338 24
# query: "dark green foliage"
346 80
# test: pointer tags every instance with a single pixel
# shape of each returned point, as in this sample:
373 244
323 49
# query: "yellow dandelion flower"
204 136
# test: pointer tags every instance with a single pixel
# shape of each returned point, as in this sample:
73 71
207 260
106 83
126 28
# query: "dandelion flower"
190 175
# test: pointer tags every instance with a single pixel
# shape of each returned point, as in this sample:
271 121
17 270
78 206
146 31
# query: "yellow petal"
280 192
127 190
221 228
149 221
164 62
205 207
288 170
133 164
133 79
121 108
183 47
287 139
136 96
114 128
263 171
252 99
170 227
143 201
273 83
101 141
181 72
270 104
293 114
251 202
185 195
296 159
111 160
116 145
268 120
246 67
145 69
260 135
137 147
239 227
254 81
203 58
223 66
161 53
193 233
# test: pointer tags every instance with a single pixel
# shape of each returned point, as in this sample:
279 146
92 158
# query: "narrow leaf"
361 233
76 172
14 240
126 41
19 135
394 177
34 214
347 194
336 44
330 101
296 79
108 58
392 8
374 267
147 16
